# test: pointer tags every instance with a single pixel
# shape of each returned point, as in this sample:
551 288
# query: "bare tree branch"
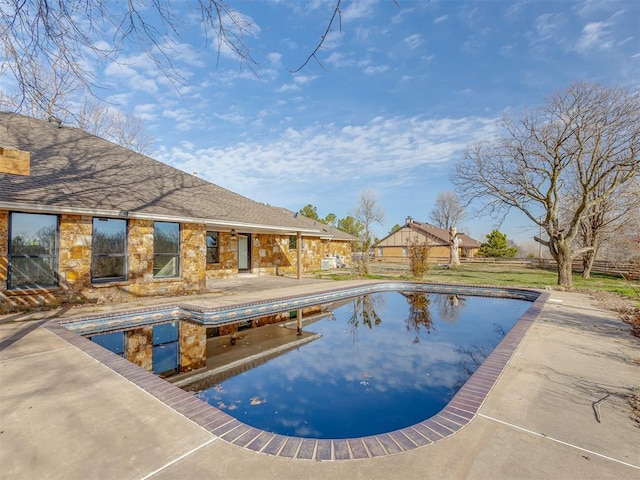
448 211
336 14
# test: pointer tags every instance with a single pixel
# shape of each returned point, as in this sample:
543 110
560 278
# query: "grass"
511 275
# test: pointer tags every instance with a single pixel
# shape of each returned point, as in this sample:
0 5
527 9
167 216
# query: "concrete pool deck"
65 415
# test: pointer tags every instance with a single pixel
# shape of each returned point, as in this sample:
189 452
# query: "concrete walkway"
65 415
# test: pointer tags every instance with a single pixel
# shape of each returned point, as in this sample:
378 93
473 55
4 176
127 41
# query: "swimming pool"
462 408
380 362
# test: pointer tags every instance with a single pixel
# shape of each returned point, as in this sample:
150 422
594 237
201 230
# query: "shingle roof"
72 170
443 234
440 235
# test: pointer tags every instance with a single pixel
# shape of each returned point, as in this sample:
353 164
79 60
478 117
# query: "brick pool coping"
462 408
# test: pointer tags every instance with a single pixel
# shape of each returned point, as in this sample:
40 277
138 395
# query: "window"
293 242
380 252
212 247
405 252
166 249
33 250
109 252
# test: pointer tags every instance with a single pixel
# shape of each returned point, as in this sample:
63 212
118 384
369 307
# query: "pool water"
384 361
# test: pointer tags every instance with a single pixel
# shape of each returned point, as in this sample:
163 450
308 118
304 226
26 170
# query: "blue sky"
403 90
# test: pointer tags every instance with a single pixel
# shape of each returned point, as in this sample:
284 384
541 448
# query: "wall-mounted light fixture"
123 213
233 233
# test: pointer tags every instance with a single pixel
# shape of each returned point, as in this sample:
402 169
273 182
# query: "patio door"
244 256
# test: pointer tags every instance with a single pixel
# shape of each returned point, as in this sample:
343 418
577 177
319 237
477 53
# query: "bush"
418 258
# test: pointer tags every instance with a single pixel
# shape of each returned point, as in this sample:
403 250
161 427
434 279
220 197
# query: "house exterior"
394 247
85 220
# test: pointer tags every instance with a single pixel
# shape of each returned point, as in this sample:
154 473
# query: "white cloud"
440 19
358 9
304 79
374 70
595 36
414 41
139 72
546 25
381 150
275 59
288 87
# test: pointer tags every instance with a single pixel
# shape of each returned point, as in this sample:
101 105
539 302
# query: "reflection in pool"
385 361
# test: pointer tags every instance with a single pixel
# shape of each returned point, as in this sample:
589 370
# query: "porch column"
299 255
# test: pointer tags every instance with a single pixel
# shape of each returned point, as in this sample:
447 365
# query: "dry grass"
626 308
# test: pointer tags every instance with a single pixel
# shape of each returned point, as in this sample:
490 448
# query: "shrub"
418 258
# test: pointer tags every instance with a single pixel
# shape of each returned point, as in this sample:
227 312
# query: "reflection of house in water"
278 334
186 352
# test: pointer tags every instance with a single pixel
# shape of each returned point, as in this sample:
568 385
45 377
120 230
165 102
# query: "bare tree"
367 213
88 114
74 34
128 130
606 220
581 144
448 211
71 34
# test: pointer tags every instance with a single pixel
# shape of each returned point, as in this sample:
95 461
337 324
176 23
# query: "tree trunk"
565 273
560 250
588 258
587 264
454 257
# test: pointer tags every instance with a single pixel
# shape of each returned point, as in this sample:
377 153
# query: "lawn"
512 275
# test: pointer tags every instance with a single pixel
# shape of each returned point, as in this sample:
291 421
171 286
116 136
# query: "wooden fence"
628 270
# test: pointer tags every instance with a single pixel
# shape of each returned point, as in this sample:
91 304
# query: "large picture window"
212 247
109 251
33 250
166 249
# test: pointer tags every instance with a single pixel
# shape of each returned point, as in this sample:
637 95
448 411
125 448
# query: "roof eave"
210 222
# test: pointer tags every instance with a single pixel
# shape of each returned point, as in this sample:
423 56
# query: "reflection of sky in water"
362 381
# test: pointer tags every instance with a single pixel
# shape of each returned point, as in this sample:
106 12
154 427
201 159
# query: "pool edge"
458 413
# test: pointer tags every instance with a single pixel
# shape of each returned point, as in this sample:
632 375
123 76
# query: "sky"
398 91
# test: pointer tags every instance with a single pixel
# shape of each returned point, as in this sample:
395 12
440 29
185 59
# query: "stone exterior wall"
74 257
227 265
270 255
4 252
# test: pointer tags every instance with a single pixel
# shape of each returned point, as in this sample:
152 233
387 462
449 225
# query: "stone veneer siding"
74 266
270 255
4 260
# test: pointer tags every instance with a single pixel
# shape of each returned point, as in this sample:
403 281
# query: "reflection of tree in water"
449 306
364 313
419 315
364 310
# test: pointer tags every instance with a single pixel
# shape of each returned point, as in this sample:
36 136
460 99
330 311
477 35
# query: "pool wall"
457 414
